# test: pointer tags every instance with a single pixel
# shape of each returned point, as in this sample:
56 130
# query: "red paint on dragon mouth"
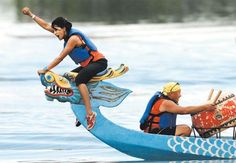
208 123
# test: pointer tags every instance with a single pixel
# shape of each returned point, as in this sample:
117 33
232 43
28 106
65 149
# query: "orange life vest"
154 116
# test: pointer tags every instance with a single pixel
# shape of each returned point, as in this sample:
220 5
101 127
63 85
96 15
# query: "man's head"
172 90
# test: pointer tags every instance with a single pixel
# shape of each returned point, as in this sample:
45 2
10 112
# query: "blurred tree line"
131 11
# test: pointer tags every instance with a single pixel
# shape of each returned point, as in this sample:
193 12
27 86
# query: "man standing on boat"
161 112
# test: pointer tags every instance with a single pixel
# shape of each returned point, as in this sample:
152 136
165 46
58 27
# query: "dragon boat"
131 142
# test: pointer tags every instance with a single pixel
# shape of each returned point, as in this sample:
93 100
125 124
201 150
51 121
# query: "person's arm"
170 106
71 44
38 20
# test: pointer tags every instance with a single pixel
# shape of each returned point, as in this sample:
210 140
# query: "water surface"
200 56
35 130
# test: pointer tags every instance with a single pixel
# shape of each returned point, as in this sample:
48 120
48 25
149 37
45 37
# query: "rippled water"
35 130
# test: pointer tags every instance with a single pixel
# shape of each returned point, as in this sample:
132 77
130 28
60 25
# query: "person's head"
61 27
172 90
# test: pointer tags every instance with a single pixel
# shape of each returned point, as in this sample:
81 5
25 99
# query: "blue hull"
157 147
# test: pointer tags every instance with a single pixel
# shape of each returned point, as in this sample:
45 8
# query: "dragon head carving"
101 93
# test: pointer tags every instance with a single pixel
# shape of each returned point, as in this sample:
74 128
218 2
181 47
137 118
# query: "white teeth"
58 90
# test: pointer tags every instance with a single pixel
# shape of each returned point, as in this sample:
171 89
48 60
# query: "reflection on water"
132 11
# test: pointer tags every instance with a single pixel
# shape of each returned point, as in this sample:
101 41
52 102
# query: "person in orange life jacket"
81 50
162 113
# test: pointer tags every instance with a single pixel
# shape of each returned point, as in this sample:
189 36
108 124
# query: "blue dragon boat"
131 142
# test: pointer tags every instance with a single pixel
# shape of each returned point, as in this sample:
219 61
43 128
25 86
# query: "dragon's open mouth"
55 90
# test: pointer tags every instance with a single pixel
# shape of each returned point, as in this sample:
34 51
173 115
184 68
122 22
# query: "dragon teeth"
58 90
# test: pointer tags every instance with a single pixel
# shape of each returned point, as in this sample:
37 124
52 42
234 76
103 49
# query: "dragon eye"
49 77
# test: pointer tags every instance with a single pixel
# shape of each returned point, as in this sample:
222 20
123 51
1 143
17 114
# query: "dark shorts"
164 131
88 72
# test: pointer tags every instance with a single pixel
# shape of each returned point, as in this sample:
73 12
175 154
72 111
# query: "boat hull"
156 147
